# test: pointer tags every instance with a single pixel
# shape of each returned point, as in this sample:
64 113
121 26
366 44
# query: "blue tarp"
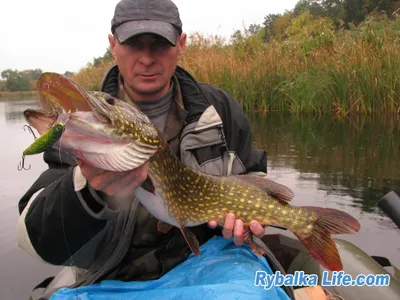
222 271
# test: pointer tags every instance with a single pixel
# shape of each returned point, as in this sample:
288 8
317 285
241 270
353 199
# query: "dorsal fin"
276 190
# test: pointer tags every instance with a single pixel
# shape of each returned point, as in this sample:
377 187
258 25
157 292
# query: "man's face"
147 62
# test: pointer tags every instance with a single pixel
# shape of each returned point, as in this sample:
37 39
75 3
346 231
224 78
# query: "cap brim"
129 29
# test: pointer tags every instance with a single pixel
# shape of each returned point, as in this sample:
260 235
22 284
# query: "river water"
346 164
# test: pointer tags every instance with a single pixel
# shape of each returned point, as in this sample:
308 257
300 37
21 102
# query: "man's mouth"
149 76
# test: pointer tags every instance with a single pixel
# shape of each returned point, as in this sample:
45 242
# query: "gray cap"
133 17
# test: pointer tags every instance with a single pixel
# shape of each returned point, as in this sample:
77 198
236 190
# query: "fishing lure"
43 143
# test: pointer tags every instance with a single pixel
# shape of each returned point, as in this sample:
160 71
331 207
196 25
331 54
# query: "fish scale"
174 193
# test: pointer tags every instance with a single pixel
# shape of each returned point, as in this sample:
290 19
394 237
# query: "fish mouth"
40 120
60 96
95 127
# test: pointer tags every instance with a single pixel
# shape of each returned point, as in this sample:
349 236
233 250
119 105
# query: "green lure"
46 141
43 143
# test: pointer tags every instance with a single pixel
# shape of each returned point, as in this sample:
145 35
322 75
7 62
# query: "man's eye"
134 44
161 44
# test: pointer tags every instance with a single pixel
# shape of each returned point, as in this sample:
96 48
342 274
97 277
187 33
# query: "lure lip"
63 119
40 120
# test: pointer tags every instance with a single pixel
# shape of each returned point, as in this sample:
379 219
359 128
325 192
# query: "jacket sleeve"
237 129
60 213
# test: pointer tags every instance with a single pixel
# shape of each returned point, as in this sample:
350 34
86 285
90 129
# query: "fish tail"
319 242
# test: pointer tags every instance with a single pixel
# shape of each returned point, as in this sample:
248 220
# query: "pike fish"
109 134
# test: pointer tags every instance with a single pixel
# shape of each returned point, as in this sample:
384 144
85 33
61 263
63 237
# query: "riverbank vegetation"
323 57
315 69
18 95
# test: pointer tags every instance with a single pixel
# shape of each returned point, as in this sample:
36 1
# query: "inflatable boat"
225 271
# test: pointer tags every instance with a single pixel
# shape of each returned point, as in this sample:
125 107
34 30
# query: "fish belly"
154 204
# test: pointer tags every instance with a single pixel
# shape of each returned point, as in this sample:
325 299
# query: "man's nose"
146 56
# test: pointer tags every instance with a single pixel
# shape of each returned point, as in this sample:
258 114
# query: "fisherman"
87 219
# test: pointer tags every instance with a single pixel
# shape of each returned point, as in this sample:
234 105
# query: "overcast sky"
61 36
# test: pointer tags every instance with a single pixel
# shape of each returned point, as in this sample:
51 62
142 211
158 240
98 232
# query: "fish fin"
276 190
191 240
248 238
163 227
149 186
319 243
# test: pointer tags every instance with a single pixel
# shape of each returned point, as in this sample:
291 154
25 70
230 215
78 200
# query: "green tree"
307 26
237 36
68 73
281 24
254 29
314 7
269 26
16 80
334 9
33 74
101 59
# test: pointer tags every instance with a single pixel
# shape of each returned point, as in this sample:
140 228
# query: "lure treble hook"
30 130
22 165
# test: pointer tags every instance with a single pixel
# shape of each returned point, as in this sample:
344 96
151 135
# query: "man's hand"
117 184
235 227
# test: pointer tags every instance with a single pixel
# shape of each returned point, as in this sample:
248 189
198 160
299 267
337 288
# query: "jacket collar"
193 99
186 93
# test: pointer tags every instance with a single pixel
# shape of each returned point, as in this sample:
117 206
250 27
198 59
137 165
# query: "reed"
90 77
329 72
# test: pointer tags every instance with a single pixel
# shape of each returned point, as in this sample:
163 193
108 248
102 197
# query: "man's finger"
126 184
257 229
89 172
212 224
104 181
238 233
228 226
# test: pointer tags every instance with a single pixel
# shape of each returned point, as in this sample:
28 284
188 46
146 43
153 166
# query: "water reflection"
21 271
348 164
356 157
13 110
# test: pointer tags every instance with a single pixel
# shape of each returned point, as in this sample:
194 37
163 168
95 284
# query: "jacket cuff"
23 239
90 199
79 180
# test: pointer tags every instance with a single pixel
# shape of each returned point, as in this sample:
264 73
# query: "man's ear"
113 42
182 44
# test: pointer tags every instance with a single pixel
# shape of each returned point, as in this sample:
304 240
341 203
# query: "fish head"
126 119
61 99
99 129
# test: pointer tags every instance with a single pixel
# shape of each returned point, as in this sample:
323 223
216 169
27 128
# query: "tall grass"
90 77
327 72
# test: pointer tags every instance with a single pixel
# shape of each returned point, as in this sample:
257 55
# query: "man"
75 215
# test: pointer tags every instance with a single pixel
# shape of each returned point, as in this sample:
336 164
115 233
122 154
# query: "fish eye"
110 100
